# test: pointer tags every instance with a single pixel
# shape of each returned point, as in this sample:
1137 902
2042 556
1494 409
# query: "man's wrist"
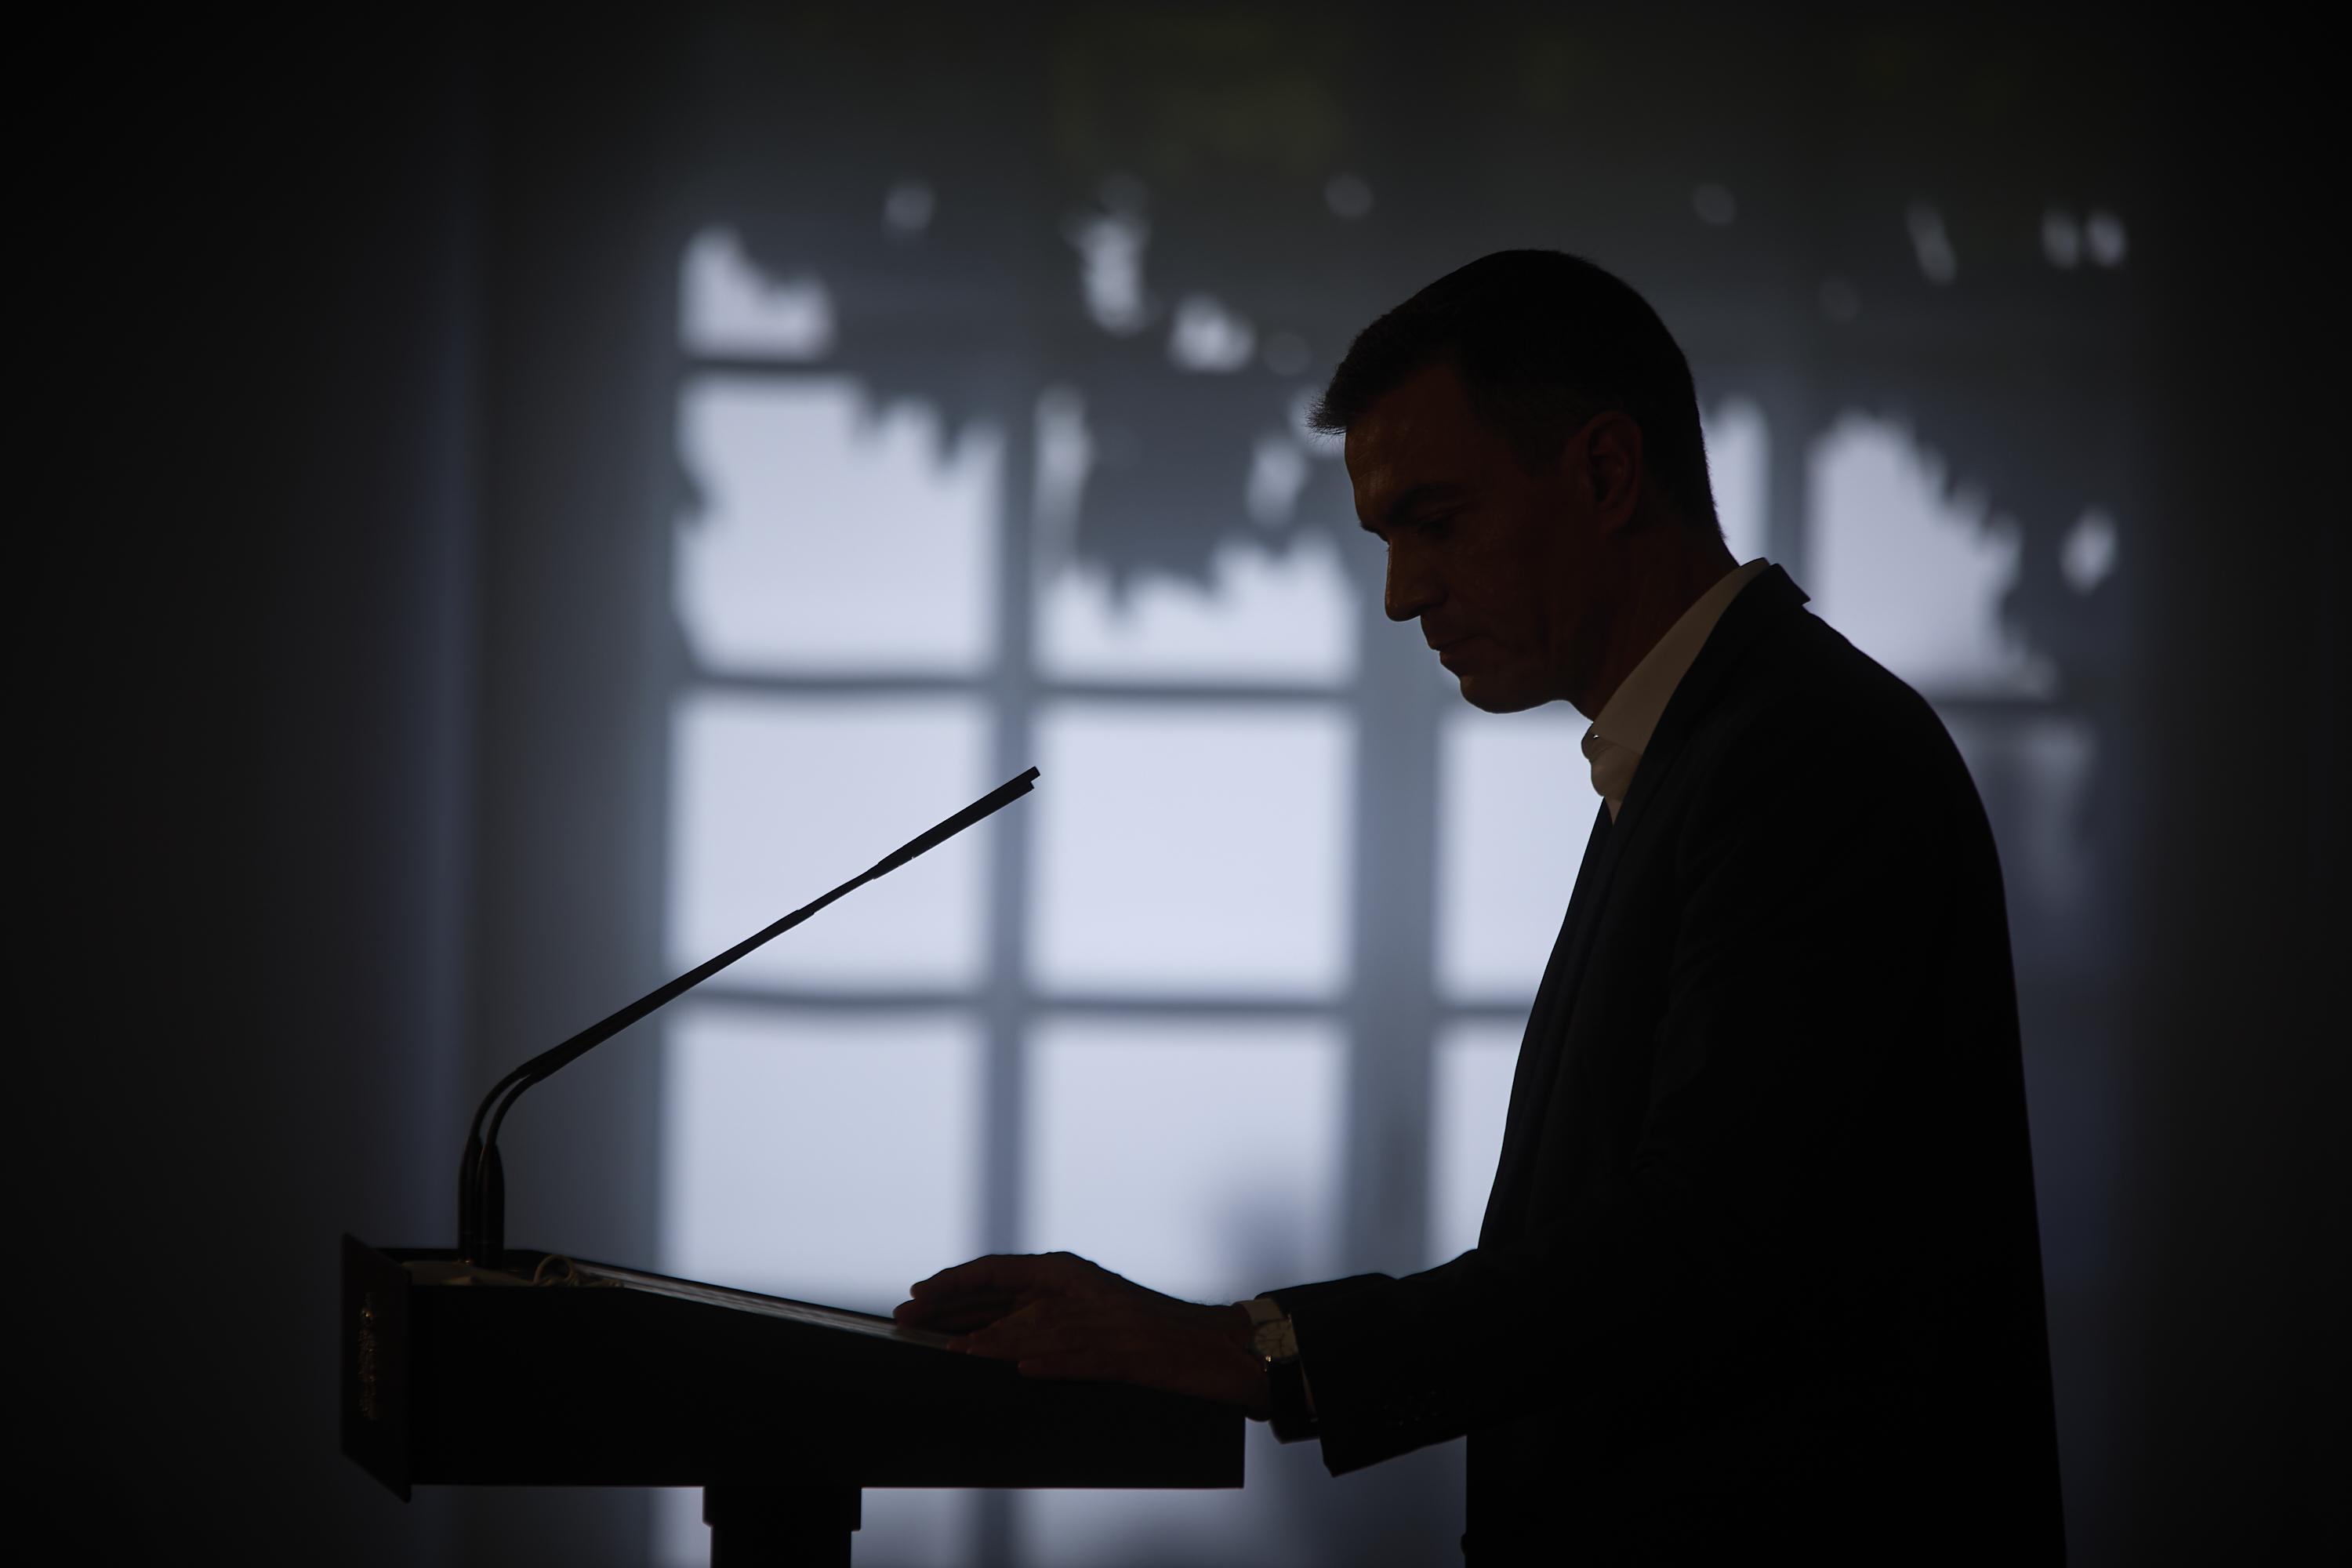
1289 1402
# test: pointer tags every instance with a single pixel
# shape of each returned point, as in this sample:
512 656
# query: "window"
1113 1018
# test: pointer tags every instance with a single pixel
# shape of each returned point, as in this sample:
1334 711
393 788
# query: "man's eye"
1437 524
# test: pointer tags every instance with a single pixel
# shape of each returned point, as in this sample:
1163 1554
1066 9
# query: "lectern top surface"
765 1306
552 1268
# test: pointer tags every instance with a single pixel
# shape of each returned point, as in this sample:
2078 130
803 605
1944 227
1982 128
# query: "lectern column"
780 1526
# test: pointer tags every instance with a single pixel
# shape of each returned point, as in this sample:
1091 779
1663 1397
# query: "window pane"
1268 612
775 801
1262 616
1200 1158
728 306
1197 1156
1738 454
834 535
1190 848
823 1155
1514 809
1471 1089
1912 576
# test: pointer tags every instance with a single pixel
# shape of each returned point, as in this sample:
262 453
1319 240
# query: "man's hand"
1058 1316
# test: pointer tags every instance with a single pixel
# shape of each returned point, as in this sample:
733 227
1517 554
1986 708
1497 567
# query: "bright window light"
775 800
1470 1089
828 1156
1515 807
1198 1156
1184 848
1264 617
834 534
1738 455
1912 573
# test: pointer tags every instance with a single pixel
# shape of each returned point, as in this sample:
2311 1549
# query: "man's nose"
1411 588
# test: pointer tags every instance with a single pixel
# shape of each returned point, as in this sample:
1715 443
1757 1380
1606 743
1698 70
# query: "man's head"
1524 434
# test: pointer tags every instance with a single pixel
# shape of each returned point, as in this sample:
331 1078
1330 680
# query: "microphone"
481 1181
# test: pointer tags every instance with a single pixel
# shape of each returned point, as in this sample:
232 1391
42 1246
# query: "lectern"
490 1365
782 1412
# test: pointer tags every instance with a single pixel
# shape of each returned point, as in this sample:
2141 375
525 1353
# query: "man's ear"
1604 464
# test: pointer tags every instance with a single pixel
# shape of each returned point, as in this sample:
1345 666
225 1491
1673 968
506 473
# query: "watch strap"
1275 1341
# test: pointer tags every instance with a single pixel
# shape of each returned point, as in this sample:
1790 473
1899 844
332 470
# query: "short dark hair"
1544 340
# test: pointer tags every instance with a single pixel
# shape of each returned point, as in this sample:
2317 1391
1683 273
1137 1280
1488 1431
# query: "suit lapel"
1762 603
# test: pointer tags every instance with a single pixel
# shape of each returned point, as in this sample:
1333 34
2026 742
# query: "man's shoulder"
1807 699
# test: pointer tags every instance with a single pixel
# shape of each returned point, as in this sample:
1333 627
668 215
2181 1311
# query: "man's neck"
1658 590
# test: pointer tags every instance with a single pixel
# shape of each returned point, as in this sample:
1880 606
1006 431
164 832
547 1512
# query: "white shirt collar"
1622 731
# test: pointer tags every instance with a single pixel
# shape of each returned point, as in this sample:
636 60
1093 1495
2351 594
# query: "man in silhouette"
1760 1270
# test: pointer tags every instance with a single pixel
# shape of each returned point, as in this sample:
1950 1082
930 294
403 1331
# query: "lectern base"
780 1527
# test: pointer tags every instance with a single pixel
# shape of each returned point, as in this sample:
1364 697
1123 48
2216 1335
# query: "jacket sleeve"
1804 907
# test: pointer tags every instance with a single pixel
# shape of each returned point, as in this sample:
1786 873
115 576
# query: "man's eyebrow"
1413 499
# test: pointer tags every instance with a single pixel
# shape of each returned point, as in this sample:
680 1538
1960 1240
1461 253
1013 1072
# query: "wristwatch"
1275 1341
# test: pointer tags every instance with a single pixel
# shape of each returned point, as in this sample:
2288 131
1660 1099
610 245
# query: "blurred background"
555 493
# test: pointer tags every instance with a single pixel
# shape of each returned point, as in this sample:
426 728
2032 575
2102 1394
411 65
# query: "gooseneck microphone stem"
481 1182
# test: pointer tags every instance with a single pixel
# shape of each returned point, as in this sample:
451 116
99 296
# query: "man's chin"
1490 695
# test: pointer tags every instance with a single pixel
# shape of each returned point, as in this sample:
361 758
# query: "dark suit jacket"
1760 1266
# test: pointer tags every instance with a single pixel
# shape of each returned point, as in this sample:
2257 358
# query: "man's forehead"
1417 440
